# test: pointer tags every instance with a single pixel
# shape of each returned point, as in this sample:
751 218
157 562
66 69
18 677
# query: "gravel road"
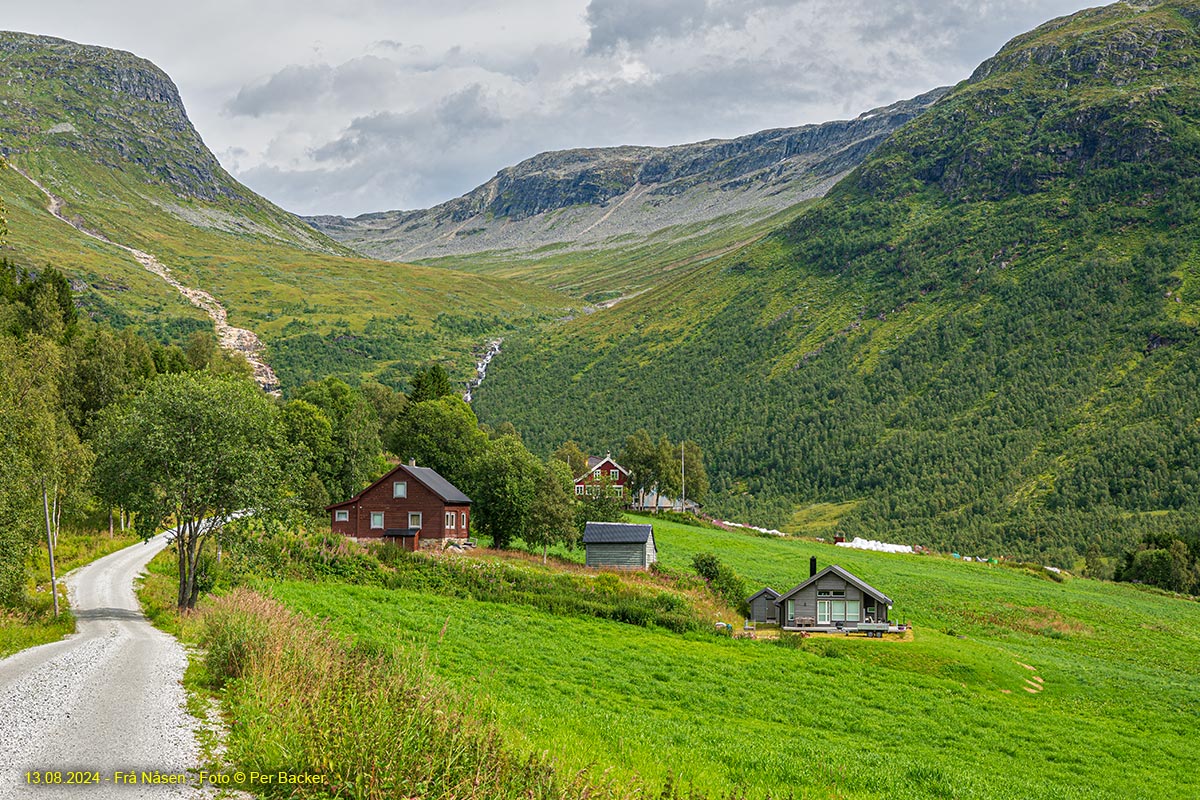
106 699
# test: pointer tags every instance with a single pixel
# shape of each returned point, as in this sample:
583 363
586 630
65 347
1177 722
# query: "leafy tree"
695 478
570 453
640 457
551 518
191 449
26 411
666 461
442 434
355 458
503 488
430 384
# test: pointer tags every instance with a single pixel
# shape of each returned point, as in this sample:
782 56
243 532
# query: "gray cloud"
352 107
291 88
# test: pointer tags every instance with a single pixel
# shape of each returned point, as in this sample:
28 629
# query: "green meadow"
1012 685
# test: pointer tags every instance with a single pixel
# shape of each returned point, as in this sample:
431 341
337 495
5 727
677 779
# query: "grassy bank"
34 623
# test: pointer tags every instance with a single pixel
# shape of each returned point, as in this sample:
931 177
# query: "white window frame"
579 488
462 518
596 474
341 515
379 515
823 612
450 519
615 474
416 514
853 611
399 490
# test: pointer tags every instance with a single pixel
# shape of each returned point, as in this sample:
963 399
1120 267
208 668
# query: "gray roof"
845 575
616 533
437 484
768 591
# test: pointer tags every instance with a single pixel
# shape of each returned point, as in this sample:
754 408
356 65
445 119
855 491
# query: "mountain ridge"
583 197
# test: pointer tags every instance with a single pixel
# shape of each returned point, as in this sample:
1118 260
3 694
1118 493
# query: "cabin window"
620 490
414 519
614 474
462 518
341 516
852 613
376 520
450 515
578 489
400 489
823 612
791 611
831 593
596 474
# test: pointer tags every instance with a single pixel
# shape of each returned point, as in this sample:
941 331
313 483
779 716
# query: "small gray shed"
619 544
762 606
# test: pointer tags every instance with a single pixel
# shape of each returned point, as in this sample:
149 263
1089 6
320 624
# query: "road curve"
108 698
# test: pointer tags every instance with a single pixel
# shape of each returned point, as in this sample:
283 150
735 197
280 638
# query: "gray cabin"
832 598
762 606
619 544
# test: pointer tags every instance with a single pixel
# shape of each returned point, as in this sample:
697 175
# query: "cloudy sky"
351 106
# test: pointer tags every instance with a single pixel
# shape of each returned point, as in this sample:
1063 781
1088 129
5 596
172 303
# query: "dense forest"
984 339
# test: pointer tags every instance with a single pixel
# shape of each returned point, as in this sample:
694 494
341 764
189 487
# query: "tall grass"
373 721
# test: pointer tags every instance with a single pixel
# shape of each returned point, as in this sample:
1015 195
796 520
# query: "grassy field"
1012 686
625 265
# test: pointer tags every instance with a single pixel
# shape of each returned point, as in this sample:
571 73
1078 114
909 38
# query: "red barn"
412 506
601 471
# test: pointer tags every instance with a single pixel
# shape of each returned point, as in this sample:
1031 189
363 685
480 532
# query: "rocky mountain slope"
984 338
587 197
101 137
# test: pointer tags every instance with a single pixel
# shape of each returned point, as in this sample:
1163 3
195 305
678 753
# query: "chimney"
412 462
812 566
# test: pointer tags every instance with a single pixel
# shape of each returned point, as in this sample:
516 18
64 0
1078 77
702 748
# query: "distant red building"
602 471
413 506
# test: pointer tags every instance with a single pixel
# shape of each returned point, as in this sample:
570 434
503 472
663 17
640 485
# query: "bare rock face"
587 195
121 110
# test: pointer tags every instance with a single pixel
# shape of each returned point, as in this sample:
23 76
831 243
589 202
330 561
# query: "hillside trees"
355 458
193 449
550 519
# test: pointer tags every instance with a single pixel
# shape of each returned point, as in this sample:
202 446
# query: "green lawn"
943 715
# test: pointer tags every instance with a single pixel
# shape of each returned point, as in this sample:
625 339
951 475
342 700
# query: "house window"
376 520
852 613
450 515
462 518
400 489
596 474
823 612
791 611
620 490
578 489
831 593
414 519
614 474
341 516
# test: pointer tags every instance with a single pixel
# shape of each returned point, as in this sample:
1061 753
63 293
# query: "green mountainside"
106 132
603 222
983 338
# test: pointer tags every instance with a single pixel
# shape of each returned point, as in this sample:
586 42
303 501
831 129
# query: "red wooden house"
601 471
413 506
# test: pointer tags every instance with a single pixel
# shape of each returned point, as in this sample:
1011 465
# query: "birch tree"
190 450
